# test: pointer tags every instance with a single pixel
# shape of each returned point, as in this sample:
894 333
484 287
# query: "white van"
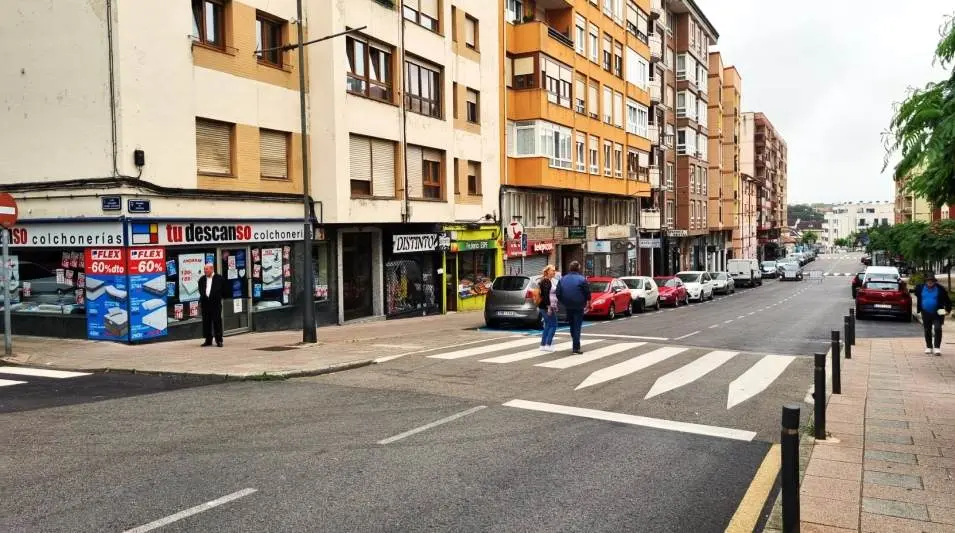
745 272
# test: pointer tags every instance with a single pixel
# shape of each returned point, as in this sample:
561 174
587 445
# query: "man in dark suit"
210 300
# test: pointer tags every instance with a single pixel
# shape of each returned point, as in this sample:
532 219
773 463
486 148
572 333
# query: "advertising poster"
271 269
13 279
147 293
107 294
190 270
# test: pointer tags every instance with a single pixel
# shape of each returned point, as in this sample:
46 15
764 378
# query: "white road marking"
757 378
468 352
741 316
629 366
714 326
690 372
8 382
612 336
436 423
751 314
657 423
536 352
687 335
727 321
599 353
458 345
40 372
191 511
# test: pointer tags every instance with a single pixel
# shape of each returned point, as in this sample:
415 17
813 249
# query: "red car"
672 291
608 296
884 296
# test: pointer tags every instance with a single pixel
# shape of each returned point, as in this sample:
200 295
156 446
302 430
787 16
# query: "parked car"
880 272
723 283
644 293
699 285
783 263
672 291
883 295
792 272
769 269
511 302
745 272
856 283
608 296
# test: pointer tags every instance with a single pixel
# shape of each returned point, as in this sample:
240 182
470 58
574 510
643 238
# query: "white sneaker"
938 351
928 351
549 348
544 348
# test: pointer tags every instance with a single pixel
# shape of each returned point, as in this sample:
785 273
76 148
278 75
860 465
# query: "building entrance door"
234 268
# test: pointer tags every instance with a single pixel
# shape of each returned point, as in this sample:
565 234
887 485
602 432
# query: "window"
638 70
608 8
668 96
208 22
618 59
701 143
471 32
569 210
581 152
369 68
618 109
669 176
669 136
457 174
214 147
633 163
525 73
618 160
371 166
514 11
423 89
686 105
454 24
454 99
608 158
539 138
608 105
701 112
593 99
557 80
681 67
580 94
268 34
686 142
638 117
608 53
273 154
474 178
594 43
671 209
423 13
643 26
580 41
473 105
668 57
594 155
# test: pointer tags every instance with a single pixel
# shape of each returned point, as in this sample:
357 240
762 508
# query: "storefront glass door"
357 285
234 268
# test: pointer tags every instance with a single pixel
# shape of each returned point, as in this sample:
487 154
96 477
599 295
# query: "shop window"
322 266
47 281
411 285
271 277
183 270
475 273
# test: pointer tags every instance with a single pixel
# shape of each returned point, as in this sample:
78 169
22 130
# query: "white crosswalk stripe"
479 350
599 353
35 372
690 372
630 366
757 379
536 352
8 382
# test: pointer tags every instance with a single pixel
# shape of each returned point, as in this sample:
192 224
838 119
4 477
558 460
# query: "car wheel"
859 314
612 314
493 324
638 306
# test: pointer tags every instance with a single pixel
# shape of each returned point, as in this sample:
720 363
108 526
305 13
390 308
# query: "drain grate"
277 348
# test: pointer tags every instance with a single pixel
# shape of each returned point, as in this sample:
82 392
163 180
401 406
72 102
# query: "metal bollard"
819 394
789 448
836 364
852 324
847 345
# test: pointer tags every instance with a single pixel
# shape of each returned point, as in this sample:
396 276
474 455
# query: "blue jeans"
576 319
550 327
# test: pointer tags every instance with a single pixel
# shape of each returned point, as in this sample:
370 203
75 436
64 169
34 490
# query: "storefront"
474 259
613 253
412 271
529 257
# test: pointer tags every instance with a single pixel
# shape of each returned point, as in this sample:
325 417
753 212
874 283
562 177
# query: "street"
661 425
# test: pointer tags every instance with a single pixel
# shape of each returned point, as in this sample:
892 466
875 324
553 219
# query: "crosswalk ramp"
19 375
661 369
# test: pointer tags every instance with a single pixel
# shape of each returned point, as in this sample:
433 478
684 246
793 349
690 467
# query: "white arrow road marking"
480 350
757 378
40 372
530 354
630 366
599 353
690 372
8 382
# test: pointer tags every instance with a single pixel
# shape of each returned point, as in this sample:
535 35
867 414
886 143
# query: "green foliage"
922 131
809 238
841 242
804 213
917 242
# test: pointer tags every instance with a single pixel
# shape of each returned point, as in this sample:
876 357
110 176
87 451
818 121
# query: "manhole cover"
277 348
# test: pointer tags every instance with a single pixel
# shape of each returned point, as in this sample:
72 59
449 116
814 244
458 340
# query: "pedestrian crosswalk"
838 274
24 373
658 369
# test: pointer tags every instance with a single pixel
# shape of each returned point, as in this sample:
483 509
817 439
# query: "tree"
841 242
922 131
805 214
809 238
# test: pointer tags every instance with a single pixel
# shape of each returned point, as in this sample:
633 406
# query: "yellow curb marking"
747 514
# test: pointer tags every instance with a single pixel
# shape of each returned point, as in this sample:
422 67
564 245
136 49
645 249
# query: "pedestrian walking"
933 304
573 292
210 300
547 306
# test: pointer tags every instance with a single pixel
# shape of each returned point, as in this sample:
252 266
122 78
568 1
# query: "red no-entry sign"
8 210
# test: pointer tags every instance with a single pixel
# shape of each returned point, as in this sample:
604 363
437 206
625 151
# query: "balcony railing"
654 177
560 37
650 219
656 47
656 9
653 133
656 93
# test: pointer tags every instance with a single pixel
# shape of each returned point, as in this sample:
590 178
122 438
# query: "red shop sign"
513 249
105 261
541 247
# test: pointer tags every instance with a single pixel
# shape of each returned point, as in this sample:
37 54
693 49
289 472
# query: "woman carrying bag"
547 306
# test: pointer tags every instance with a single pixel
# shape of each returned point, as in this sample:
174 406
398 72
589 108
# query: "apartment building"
851 217
765 158
751 195
172 131
725 202
578 133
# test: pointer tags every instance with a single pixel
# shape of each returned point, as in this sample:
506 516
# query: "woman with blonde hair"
547 305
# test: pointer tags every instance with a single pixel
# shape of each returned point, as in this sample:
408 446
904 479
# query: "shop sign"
107 295
577 232
405 244
514 249
598 247
75 233
175 233
542 247
444 241
650 243
617 231
514 230
147 293
676 233
467 246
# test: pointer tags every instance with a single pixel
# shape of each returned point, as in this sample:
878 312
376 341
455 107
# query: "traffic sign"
8 210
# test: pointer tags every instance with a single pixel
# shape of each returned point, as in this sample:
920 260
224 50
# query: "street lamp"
309 333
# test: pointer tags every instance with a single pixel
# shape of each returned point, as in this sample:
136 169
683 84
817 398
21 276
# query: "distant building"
845 219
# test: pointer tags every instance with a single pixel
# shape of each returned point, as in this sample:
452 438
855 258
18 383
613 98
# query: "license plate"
883 306
506 313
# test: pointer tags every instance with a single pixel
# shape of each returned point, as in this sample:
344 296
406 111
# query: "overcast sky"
826 73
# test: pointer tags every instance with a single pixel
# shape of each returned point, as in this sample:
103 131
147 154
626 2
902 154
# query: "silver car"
511 302
723 283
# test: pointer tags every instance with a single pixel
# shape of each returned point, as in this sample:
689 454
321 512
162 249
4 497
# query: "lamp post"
309 332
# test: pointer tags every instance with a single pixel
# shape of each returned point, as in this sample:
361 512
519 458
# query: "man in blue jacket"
933 305
573 292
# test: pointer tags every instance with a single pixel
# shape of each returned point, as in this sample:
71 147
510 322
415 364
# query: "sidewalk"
279 354
889 463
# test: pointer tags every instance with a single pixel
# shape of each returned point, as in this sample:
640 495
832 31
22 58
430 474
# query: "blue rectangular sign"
111 203
138 206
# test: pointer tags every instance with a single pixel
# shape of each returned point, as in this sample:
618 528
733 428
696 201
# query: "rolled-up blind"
429 7
523 66
213 147
360 158
469 31
273 153
383 167
413 153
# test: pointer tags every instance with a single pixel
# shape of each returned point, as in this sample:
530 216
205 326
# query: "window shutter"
469 31
413 153
360 158
213 147
383 167
413 4
643 159
523 66
428 7
273 153
471 97
592 99
429 154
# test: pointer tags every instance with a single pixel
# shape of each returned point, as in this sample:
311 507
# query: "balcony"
654 177
656 9
653 133
656 94
656 47
538 36
650 219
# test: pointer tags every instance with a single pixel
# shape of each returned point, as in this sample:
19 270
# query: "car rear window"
599 286
633 283
882 285
510 283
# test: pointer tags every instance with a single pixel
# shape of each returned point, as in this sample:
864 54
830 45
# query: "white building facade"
845 219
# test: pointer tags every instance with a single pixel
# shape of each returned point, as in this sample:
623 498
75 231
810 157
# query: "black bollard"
852 325
847 345
836 364
820 396
789 448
